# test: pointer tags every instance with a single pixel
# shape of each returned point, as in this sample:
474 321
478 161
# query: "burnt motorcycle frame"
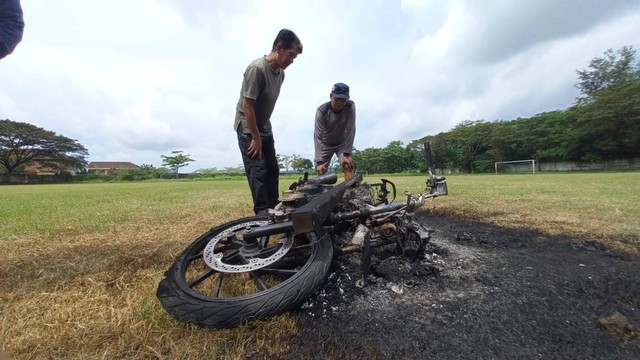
260 266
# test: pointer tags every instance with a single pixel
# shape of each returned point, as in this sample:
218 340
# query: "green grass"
80 262
54 211
597 206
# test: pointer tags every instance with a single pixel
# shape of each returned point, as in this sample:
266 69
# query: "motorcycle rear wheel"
194 292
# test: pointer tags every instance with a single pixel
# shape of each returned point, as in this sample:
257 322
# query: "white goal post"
518 167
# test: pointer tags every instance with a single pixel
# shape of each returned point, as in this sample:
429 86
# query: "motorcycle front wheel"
221 280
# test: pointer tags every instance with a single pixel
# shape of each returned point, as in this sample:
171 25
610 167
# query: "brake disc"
216 262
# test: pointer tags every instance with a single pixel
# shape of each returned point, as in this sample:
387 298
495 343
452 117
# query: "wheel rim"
207 275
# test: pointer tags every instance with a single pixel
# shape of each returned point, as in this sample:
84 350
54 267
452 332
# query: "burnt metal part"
326 179
312 215
266 230
365 212
382 195
436 184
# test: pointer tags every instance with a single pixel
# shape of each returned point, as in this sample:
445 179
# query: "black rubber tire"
189 306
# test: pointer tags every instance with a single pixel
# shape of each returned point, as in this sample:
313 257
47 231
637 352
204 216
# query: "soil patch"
482 292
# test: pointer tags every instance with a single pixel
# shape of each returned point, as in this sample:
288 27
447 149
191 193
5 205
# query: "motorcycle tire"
193 291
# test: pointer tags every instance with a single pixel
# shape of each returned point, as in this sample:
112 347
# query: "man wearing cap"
258 95
335 129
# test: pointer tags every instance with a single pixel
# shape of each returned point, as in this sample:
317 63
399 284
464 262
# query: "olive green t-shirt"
261 83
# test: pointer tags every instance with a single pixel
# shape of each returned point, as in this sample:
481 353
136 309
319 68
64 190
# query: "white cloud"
138 129
136 80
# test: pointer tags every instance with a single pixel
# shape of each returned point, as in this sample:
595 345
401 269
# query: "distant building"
40 168
36 168
106 167
36 172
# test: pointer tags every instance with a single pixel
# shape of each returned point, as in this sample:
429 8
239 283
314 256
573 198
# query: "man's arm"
318 135
350 132
255 148
252 85
346 161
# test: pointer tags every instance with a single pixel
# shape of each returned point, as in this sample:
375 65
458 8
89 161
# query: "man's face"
337 104
285 56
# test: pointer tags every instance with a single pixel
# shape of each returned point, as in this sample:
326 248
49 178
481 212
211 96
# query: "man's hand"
347 166
255 148
347 163
321 168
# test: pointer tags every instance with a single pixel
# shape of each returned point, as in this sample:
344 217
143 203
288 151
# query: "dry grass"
595 206
80 263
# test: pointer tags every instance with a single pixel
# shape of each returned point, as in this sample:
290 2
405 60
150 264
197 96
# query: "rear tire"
193 292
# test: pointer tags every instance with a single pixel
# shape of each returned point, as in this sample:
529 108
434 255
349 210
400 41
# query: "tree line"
603 124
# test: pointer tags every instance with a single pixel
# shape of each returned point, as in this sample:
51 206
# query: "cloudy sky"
132 80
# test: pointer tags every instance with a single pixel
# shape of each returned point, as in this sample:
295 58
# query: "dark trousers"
262 174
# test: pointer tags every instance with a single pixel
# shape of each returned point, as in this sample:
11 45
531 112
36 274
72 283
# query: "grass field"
80 263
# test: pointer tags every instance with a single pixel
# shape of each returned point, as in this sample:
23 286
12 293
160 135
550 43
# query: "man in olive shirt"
335 129
258 95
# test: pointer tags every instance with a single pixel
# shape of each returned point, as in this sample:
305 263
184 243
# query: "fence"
575 166
34 179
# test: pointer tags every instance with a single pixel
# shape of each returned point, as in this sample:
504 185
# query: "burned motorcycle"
260 266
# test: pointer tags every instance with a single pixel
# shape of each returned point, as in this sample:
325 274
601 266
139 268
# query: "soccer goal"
516 166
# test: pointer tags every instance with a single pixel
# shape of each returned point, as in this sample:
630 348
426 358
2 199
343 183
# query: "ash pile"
390 275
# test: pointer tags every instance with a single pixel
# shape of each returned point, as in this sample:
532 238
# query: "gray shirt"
261 83
334 132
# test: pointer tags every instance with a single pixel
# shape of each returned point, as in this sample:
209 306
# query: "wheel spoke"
230 242
191 258
298 251
227 247
279 271
234 255
300 247
263 241
216 290
266 252
201 278
262 286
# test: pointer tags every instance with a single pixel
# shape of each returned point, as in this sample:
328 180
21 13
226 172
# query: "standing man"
11 26
258 95
335 130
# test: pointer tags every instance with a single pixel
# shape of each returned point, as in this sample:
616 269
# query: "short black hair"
288 39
